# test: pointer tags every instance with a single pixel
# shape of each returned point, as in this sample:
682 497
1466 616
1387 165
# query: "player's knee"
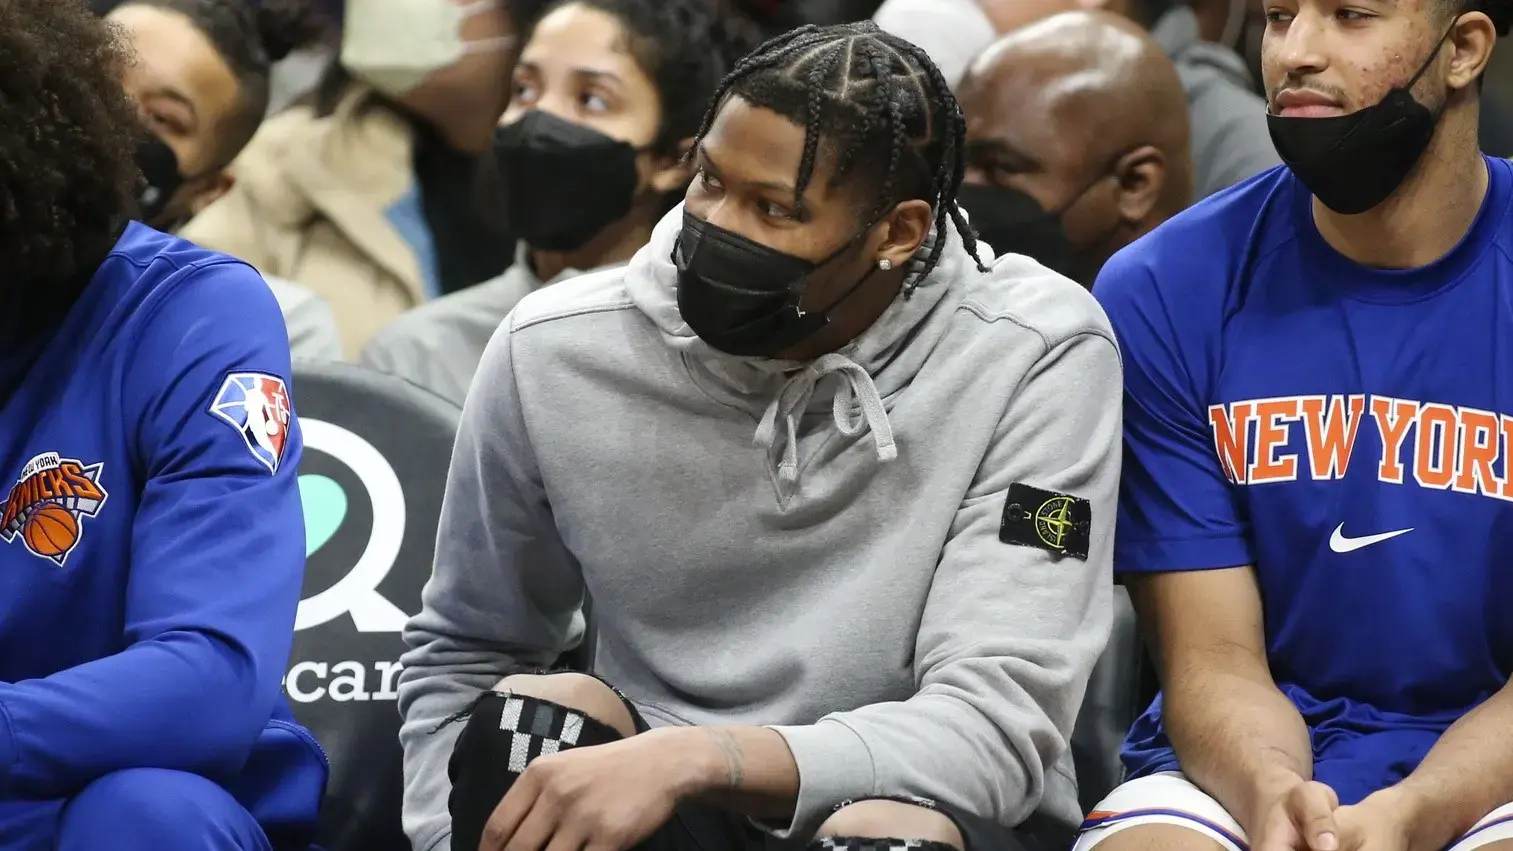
1149 837
150 808
579 692
889 820
524 718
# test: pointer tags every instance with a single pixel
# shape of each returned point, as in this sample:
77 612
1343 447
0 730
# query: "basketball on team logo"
51 530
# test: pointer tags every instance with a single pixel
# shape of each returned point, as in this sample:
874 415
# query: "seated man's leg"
523 717
886 825
1162 812
154 809
1493 833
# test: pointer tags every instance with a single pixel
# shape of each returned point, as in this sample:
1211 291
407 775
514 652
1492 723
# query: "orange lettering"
1393 417
83 487
1506 422
1478 452
31 492
12 508
1331 438
58 483
1271 435
1231 446
1434 455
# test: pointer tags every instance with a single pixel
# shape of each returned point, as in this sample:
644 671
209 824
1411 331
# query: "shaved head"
1081 109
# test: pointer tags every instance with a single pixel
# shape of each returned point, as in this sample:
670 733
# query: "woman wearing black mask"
607 95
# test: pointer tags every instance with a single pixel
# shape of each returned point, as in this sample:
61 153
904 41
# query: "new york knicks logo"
47 505
257 406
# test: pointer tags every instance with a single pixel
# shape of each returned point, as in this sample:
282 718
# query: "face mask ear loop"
831 258
1433 54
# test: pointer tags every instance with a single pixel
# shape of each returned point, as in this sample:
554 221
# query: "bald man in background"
1230 141
1077 141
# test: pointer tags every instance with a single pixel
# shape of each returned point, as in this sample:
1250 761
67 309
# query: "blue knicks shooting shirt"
1346 431
151 541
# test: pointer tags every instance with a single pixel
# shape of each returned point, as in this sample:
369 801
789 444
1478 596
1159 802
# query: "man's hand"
1304 819
1381 822
603 798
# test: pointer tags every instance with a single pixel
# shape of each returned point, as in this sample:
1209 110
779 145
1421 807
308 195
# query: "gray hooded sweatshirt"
813 547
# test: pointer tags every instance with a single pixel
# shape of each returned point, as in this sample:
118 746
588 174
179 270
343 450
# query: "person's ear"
672 171
903 231
1471 40
212 188
1141 177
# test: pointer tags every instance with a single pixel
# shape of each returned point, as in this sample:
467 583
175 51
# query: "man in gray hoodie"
842 497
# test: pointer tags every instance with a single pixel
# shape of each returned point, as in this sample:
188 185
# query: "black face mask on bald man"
1014 223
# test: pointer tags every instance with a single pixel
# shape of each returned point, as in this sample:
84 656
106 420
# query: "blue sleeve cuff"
1165 555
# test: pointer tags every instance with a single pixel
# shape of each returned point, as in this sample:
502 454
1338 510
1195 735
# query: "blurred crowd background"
403 171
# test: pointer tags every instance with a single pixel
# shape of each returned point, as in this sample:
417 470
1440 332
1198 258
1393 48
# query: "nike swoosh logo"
1341 544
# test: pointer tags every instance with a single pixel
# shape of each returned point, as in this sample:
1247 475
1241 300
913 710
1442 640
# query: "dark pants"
480 778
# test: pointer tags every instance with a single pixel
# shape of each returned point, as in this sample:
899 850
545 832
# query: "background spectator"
365 195
1077 141
201 79
607 97
953 32
201 76
1227 117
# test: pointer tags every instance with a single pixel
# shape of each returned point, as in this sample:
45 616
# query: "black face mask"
160 170
564 182
742 297
1353 162
1014 223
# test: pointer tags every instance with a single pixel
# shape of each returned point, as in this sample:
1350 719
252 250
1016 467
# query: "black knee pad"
504 734
857 844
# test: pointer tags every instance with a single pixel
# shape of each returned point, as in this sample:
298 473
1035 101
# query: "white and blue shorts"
1170 798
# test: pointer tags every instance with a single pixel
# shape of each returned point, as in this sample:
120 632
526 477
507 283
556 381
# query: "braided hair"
881 106
249 38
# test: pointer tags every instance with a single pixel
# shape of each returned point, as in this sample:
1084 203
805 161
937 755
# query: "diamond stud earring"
885 264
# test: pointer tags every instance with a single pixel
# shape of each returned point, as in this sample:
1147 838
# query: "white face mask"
394 45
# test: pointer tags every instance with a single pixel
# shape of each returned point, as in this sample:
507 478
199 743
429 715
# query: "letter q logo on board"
328 524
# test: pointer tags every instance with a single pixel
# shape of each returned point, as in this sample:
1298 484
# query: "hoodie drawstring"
856 389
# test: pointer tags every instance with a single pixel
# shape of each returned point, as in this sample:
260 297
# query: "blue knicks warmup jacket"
151 542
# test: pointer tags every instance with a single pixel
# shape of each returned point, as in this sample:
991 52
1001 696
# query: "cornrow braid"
878 103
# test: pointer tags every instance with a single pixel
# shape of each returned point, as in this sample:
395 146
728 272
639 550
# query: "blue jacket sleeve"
217 553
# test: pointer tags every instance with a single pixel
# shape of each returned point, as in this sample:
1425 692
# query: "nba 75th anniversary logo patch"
48 504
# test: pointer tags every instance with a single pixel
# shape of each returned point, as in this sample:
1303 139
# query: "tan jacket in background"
309 206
